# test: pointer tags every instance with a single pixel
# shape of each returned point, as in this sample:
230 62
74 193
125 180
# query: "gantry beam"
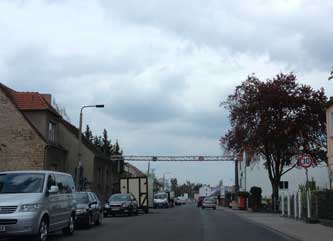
175 158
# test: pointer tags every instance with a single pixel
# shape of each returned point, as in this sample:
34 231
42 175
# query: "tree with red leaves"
277 120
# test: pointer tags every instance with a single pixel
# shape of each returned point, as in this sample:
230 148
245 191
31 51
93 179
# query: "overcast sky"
161 67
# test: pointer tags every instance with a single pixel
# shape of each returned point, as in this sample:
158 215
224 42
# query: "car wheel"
69 230
43 230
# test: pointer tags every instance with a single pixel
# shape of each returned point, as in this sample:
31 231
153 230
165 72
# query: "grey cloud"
296 37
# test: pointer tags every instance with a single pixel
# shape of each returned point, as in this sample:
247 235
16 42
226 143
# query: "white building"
256 175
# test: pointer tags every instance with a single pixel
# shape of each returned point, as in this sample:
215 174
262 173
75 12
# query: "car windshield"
161 196
82 198
21 182
119 198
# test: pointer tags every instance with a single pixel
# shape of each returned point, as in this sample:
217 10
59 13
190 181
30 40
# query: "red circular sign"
305 161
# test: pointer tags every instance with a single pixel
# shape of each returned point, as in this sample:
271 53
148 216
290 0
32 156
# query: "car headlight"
30 207
106 205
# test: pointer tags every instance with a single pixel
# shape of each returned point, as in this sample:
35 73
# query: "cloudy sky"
161 67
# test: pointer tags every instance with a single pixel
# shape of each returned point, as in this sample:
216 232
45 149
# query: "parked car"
178 201
161 200
209 202
121 204
36 203
89 209
200 200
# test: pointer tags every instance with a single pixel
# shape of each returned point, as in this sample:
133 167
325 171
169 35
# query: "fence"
307 205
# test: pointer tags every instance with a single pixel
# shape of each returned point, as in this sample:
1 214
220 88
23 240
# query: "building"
255 174
329 126
33 136
132 171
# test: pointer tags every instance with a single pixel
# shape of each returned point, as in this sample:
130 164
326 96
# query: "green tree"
278 120
88 134
106 144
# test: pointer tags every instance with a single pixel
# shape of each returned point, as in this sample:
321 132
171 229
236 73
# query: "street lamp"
79 162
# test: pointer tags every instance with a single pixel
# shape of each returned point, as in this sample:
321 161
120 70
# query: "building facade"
329 126
255 174
33 136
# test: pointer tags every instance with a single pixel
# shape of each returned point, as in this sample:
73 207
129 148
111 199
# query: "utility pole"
79 160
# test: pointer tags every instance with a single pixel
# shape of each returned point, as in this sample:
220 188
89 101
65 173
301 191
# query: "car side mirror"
53 190
93 203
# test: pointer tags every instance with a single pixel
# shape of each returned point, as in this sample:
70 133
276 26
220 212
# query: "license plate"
2 228
115 209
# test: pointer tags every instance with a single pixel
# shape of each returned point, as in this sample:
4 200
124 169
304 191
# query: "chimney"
48 98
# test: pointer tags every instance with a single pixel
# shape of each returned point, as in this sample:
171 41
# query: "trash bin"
242 202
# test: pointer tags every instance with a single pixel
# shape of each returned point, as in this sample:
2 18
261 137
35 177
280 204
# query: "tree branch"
288 169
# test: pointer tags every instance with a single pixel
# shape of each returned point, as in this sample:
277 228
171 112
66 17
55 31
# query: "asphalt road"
185 223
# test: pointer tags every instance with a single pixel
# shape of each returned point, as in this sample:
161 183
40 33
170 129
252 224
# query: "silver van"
36 203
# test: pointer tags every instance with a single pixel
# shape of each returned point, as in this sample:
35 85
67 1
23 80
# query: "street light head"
99 106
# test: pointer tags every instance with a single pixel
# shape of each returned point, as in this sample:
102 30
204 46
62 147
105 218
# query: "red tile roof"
29 101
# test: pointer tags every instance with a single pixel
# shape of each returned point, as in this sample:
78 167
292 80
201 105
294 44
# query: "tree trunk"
275 195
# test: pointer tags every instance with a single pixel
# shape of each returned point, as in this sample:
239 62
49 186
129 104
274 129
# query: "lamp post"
164 179
79 161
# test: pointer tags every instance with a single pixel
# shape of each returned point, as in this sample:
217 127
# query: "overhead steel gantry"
175 158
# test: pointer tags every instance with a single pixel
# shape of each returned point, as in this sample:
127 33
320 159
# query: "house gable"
21 145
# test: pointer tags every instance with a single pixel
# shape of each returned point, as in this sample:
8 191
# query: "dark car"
121 204
89 209
200 200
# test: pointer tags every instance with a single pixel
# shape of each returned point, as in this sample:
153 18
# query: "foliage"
331 75
276 119
105 146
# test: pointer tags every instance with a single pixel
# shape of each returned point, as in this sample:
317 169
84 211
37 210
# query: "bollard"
308 202
295 205
299 204
288 204
282 204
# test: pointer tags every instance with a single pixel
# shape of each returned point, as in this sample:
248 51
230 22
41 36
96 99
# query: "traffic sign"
305 161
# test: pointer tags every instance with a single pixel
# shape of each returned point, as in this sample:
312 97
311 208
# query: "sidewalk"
298 230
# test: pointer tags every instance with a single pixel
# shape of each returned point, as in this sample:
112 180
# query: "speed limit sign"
305 161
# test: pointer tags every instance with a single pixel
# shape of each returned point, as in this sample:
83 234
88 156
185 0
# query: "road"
185 223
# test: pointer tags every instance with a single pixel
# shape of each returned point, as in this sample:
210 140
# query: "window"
52 128
284 185
65 183
51 182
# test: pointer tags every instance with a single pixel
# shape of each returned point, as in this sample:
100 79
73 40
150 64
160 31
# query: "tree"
106 144
88 134
277 119
174 184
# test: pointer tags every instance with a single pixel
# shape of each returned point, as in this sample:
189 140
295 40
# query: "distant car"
161 200
209 203
121 204
178 201
200 200
89 209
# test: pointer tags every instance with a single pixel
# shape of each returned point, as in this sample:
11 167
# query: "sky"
161 67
